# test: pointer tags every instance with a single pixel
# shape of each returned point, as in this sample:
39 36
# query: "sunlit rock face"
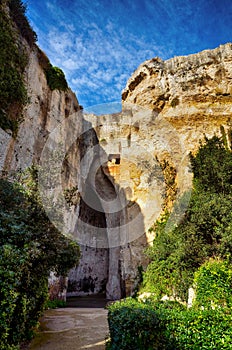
190 97
168 107
124 169
192 93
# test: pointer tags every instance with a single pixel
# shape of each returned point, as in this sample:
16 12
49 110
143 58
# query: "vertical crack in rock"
168 107
101 269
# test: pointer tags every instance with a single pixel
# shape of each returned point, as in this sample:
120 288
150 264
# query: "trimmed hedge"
167 326
133 326
201 329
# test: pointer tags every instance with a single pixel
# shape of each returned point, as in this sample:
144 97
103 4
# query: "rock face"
193 93
168 107
45 110
122 170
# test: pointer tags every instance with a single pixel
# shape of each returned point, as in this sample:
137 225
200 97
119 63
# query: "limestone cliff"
41 115
168 107
48 109
120 171
193 93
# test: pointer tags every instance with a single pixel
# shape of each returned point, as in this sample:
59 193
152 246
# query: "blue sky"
99 44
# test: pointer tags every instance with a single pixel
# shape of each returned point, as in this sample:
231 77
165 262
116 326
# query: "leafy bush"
54 304
18 14
30 247
56 78
204 232
167 326
200 329
213 283
133 326
212 166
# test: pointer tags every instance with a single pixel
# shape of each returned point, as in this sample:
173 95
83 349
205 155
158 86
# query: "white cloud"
99 46
70 64
59 42
97 57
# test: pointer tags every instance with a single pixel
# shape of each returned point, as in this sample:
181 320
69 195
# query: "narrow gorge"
121 171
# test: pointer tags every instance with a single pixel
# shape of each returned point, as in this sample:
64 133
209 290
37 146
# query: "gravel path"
72 329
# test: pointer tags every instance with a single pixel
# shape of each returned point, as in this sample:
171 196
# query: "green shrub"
204 231
56 78
18 14
213 283
212 166
133 326
170 271
54 304
200 329
167 326
30 247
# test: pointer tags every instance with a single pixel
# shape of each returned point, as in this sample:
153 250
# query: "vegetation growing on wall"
12 64
204 232
18 14
13 59
56 78
197 253
30 247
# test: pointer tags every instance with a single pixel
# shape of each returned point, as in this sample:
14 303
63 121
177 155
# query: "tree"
205 231
30 247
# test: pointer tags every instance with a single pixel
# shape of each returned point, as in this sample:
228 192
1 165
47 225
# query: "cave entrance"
91 275
114 158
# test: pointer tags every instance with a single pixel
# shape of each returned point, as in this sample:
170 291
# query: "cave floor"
81 327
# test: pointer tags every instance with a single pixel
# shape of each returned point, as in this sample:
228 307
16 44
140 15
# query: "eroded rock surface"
136 159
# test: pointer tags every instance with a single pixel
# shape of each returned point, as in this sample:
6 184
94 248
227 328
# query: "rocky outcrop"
168 107
44 111
192 93
120 171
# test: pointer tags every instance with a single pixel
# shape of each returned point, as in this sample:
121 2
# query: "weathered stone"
168 107
57 287
135 161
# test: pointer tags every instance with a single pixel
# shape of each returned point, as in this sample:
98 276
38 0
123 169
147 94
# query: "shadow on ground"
91 301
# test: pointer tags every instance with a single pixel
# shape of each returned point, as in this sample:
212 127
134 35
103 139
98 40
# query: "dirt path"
72 329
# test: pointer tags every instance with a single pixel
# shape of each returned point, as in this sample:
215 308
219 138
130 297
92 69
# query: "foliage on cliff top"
30 247
56 78
18 14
